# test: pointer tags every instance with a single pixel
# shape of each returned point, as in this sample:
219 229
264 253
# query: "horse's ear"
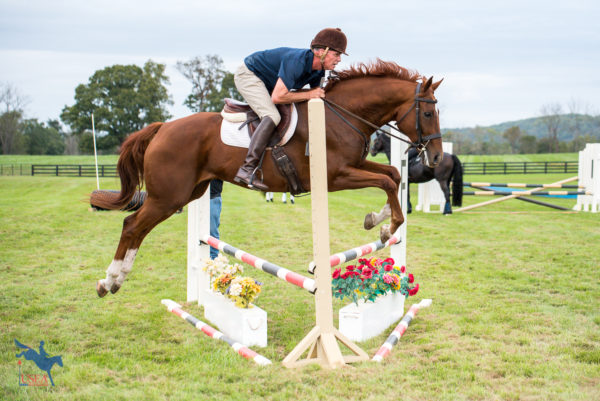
435 85
427 85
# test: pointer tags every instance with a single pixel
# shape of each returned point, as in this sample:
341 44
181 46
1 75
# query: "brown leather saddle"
252 119
282 161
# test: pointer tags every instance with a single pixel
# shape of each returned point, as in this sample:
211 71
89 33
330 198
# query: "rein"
421 143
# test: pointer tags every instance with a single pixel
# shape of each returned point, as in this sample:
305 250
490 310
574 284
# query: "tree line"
554 131
125 98
122 98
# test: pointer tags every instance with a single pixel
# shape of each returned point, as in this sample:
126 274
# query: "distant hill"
570 125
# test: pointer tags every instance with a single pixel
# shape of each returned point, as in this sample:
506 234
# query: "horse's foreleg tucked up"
353 178
373 219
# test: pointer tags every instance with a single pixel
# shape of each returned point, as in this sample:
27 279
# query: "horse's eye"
428 114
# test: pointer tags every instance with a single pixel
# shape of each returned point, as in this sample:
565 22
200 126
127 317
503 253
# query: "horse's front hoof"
369 221
384 233
100 289
114 288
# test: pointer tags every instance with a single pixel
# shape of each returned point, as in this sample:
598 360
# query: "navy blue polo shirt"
293 66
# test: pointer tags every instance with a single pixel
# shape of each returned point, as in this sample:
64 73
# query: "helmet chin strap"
322 58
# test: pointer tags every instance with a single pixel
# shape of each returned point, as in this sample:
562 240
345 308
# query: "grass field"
515 313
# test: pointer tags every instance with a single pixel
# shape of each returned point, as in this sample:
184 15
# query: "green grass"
515 294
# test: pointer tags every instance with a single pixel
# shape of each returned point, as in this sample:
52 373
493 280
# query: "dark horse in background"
178 159
449 170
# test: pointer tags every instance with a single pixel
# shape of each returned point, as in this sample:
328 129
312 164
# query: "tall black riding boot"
258 143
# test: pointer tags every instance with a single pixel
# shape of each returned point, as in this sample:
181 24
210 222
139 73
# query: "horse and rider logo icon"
42 361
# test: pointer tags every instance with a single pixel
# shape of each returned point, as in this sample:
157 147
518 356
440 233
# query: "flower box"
246 326
367 320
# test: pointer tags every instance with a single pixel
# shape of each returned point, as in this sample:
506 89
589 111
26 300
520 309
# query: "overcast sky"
500 60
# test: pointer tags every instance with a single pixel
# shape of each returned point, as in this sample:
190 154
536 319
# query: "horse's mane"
378 68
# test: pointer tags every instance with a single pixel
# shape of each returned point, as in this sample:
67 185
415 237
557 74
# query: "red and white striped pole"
241 349
266 266
355 253
400 329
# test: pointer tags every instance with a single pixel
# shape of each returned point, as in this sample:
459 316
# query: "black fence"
15 169
74 170
521 167
110 170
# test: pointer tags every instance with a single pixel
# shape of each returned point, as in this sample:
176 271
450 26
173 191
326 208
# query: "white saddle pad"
232 135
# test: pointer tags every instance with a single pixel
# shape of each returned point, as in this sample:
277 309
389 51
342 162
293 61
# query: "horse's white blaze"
426 159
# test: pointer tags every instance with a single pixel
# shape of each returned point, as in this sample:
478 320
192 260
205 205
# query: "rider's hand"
316 93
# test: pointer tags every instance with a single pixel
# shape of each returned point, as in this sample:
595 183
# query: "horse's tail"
457 182
130 168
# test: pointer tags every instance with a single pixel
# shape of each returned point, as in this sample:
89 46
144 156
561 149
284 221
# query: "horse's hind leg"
135 228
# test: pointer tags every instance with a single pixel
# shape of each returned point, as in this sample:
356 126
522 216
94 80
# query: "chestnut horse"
178 159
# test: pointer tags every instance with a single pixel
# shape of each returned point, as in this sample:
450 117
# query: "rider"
42 352
274 77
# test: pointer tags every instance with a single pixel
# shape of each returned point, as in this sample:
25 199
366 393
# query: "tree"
512 135
210 83
528 144
41 139
550 117
123 99
215 102
11 118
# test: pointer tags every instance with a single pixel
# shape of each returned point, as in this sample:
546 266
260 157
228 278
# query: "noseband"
422 141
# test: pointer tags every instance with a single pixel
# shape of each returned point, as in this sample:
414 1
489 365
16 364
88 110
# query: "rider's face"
332 58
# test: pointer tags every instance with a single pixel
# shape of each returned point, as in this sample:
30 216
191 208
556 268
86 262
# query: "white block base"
367 320
246 326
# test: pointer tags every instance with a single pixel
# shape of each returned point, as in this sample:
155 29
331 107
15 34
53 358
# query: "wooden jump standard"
321 344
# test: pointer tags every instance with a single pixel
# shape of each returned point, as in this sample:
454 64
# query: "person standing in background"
216 187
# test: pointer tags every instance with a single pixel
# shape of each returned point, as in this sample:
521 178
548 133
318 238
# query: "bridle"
422 141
